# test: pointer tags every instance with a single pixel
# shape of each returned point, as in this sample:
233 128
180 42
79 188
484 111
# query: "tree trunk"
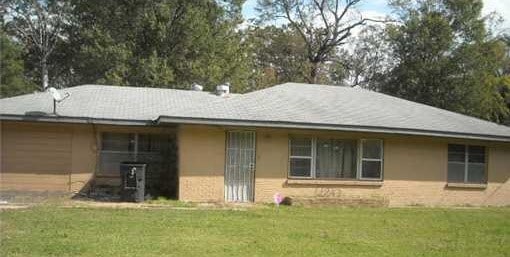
44 73
314 73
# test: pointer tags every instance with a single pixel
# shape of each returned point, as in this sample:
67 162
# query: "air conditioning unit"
133 181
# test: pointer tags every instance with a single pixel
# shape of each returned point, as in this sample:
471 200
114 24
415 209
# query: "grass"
170 202
264 231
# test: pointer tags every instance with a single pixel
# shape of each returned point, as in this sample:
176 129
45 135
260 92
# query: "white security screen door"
240 166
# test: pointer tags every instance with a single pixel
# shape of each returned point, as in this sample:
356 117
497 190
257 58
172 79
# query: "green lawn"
291 231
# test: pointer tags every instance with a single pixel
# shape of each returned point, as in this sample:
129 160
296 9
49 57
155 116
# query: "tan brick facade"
415 170
46 157
201 163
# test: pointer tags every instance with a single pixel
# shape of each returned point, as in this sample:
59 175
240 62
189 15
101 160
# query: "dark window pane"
144 143
476 154
118 142
476 173
301 147
456 157
372 149
456 172
152 143
456 148
473 149
300 167
109 163
476 158
371 169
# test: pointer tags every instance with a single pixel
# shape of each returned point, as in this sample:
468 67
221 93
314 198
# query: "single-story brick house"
303 141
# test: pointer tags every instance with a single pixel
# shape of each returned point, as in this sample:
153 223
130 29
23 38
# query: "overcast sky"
371 8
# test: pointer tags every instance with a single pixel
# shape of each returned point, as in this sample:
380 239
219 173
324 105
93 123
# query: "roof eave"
252 123
79 120
346 128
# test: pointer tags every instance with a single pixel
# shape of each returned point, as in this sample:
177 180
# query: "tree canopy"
437 52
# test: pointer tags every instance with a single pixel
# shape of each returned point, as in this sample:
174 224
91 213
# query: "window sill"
376 183
465 185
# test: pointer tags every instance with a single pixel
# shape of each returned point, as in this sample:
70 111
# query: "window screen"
301 157
371 159
122 142
466 164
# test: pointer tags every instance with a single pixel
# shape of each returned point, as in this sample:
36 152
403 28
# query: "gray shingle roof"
286 105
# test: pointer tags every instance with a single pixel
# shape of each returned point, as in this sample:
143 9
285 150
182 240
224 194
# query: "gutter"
79 120
346 128
251 123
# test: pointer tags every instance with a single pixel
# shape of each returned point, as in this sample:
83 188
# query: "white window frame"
313 159
466 164
361 159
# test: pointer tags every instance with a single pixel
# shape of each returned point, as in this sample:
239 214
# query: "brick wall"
201 163
415 170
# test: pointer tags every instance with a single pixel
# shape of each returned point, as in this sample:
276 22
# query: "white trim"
311 157
466 185
135 150
314 158
359 160
466 163
362 159
345 182
232 193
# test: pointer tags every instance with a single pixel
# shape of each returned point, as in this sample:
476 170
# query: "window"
301 157
371 159
115 148
118 142
336 158
121 147
466 164
320 158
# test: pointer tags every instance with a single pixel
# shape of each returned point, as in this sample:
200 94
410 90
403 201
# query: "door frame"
253 176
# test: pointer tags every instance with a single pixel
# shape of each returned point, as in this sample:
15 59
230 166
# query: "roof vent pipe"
197 87
223 90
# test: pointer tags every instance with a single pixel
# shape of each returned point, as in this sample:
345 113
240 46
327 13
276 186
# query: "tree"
277 54
324 25
12 78
39 25
161 43
368 62
445 58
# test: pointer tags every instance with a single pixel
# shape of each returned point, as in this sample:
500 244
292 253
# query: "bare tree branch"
323 24
39 24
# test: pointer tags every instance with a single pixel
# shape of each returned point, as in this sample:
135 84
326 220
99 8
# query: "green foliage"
12 77
445 58
39 27
278 53
439 52
159 43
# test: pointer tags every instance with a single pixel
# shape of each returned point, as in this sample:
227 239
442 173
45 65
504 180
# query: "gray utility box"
133 181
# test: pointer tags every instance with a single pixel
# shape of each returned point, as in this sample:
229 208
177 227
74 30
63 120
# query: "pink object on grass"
278 198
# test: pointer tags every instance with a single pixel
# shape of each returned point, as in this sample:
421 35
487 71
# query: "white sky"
378 8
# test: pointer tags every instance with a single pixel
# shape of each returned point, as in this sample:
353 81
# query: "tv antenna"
57 98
